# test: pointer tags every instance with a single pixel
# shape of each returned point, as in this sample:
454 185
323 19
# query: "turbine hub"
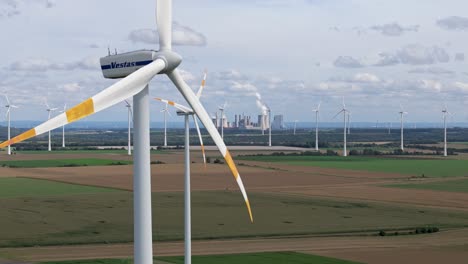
171 59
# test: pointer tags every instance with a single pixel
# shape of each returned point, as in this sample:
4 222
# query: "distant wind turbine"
445 112
344 111
221 109
402 112
269 125
295 125
130 121
63 127
8 115
166 112
49 111
317 113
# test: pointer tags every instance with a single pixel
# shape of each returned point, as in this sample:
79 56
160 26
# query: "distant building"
278 123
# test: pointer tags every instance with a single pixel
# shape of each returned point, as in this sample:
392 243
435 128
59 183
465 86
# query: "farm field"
445 186
257 258
61 163
430 167
107 217
317 210
24 187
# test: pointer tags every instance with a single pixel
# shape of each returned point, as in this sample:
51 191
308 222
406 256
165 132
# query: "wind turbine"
221 109
63 127
136 74
269 125
130 120
445 112
49 112
166 112
186 111
344 111
295 125
8 115
317 113
402 112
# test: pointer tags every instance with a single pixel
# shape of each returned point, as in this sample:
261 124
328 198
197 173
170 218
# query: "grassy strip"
410 166
61 163
444 186
250 258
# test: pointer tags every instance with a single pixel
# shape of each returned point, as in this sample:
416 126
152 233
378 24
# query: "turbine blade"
128 103
202 86
164 23
8 100
14 106
338 114
200 111
200 138
176 105
114 94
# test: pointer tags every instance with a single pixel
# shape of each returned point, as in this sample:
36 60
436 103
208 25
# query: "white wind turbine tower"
445 112
402 113
344 111
137 69
166 112
130 121
49 112
317 114
8 115
295 125
63 127
269 125
221 109
187 112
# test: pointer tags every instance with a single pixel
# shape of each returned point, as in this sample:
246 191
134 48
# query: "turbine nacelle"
117 66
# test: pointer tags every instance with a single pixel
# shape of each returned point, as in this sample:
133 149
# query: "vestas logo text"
115 65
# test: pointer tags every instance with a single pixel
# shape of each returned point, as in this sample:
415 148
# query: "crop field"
334 209
256 258
106 217
24 187
444 186
409 166
87 151
61 163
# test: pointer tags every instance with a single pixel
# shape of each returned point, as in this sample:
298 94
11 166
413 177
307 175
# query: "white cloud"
431 85
43 65
11 8
181 36
394 29
70 87
366 78
347 62
414 54
453 23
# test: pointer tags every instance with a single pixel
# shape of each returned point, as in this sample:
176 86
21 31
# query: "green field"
107 217
445 186
410 166
251 258
25 187
85 151
62 163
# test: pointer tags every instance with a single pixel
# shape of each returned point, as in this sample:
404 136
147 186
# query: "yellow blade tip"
250 211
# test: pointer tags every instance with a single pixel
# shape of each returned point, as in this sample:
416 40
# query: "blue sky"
377 54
